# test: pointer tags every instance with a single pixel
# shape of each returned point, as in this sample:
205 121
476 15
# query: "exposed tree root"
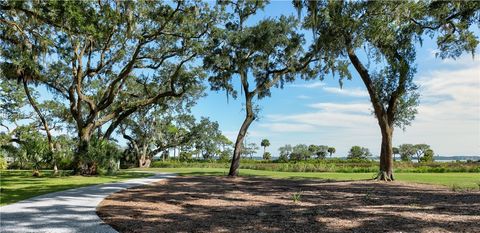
383 176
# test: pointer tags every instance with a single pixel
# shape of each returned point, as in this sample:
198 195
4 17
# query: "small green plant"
456 188
296 197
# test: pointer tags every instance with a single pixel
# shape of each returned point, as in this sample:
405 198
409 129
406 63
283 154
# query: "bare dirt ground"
220 204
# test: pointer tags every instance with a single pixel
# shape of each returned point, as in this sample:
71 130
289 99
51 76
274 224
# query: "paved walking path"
71 210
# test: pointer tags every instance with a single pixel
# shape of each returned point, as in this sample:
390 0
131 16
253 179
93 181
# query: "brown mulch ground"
220 204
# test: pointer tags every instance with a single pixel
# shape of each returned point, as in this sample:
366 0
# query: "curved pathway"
71 210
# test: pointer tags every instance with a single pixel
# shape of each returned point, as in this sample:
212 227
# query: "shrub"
3 163
267 156
103 155
185 156
225 156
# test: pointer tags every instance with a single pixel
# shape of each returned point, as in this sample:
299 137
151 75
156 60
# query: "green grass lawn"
459 180
20 185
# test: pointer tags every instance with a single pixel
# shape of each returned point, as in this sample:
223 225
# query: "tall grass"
329 165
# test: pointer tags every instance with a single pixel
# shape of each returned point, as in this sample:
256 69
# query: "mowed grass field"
457 181
19 185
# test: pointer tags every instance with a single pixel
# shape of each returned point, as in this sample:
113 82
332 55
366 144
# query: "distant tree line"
304 152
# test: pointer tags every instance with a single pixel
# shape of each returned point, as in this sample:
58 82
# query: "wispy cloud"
342 115
288 127
449 112
448 117
309 85
353 92
356 108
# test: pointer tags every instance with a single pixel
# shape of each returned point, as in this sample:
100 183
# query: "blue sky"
319 112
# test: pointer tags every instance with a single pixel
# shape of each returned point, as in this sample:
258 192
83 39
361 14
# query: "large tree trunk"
144 158
386 153
249 117
46 127
144 162
82 166
384 116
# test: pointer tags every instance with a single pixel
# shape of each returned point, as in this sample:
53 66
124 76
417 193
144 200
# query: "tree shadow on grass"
219 204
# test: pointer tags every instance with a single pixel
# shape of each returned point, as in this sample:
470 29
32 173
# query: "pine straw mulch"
221 204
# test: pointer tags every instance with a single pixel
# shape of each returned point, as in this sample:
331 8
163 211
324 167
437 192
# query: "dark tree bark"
386 154
249 118
82 167
46 127
384 117
250 114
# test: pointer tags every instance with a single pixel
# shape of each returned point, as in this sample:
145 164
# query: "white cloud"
343 107
339 116
448 117
288 127
309 85
449 112
353 92
465 60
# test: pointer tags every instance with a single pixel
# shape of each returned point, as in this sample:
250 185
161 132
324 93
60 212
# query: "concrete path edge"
72 210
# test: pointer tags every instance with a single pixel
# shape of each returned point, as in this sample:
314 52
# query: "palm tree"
265 143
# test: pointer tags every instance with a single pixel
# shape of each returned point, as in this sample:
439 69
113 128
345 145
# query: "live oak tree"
421 150
104 60
331 150
157 128
259 57
406 151
358 152
319 151
285 152
148 132
385 34
250 149
15 98
300 152
12 100
428 156
208 139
